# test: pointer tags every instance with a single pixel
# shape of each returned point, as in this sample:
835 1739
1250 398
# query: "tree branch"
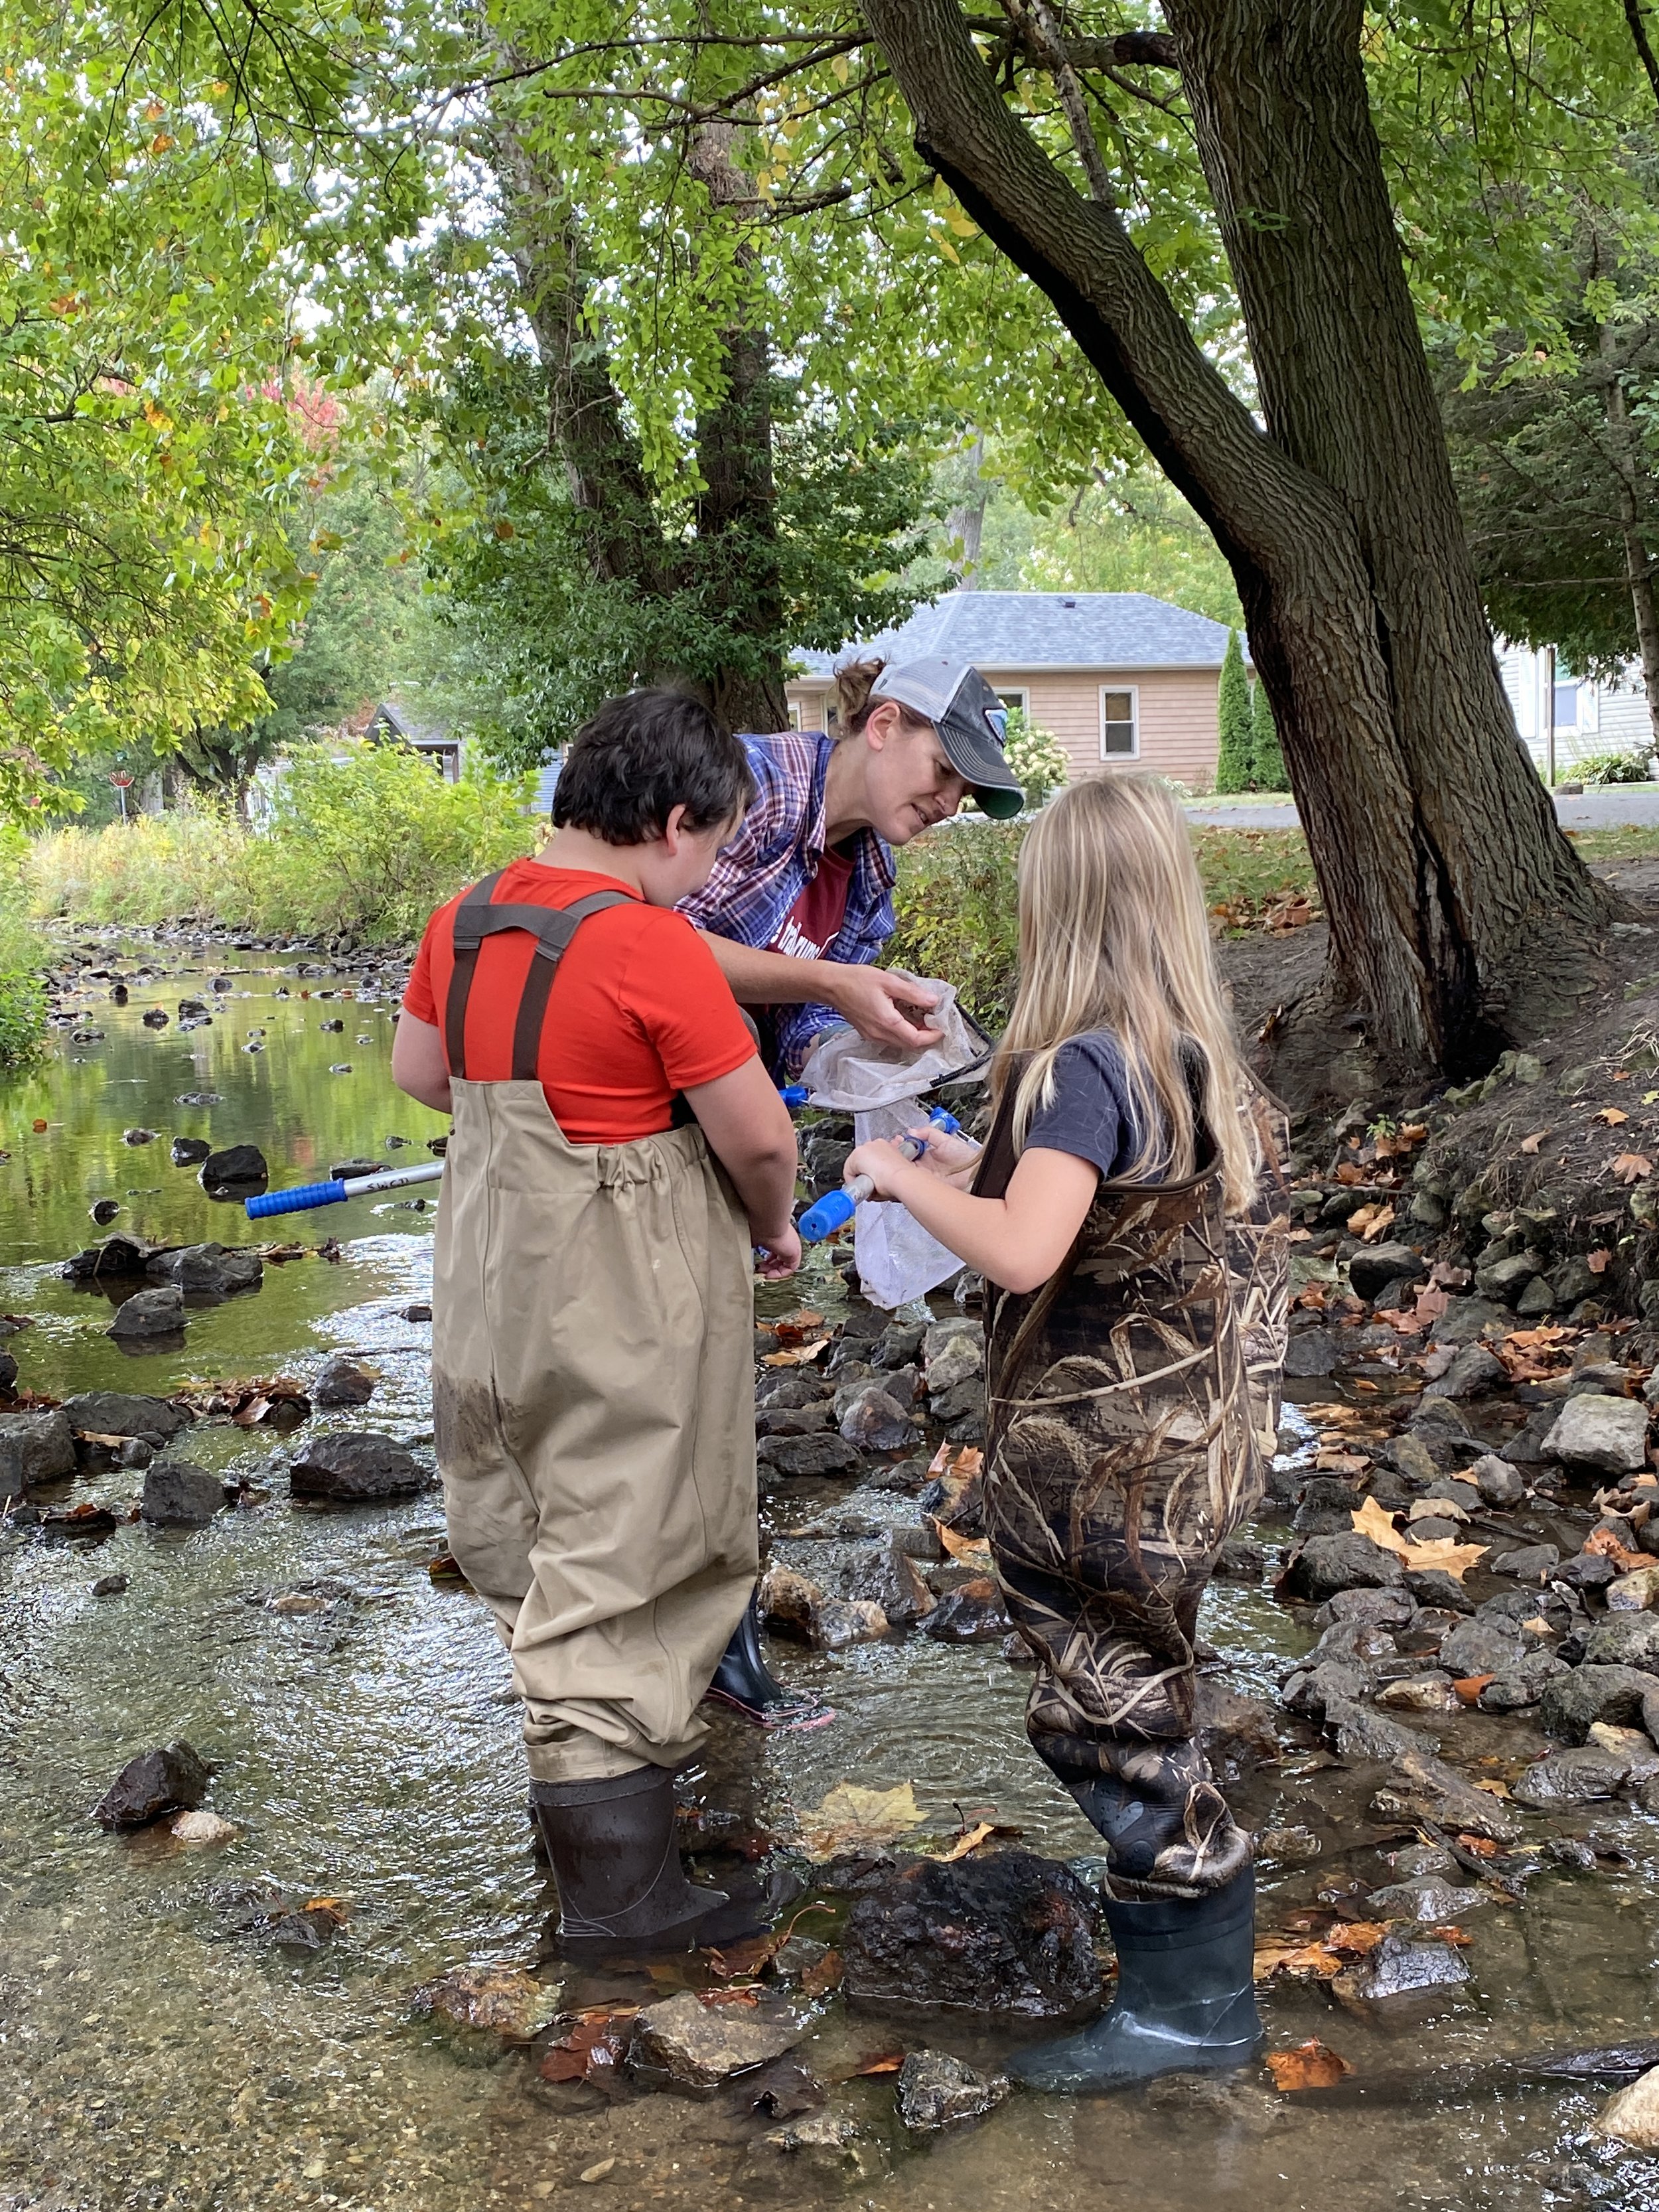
1083 141
1634 12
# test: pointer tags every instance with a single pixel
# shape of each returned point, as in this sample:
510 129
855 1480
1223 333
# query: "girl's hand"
881 1160
946 1154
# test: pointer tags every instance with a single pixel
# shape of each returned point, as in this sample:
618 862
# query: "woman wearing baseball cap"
800 903
799 907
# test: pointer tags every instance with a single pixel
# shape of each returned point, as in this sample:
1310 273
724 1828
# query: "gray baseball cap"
969 718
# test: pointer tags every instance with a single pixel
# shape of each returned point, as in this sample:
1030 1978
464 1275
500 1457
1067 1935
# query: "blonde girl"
1127 1214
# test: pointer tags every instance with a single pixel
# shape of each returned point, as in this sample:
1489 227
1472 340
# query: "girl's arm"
1018 1241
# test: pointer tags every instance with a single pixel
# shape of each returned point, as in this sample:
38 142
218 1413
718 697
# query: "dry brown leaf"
1612 1115
818 1980
1356 1936
1494 1789
968 1842
1596 1262
1445 1551
1411 1133
976 1549
594 2043
1370 1222
1603 1540
884 2062
1317 1959
1469 1687
1340 1463
1482 1846
1453 1935
1349 1172
1631 1167
1531 1143
799 1357
1310 2066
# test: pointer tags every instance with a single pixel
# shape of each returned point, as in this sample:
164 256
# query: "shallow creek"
151 2055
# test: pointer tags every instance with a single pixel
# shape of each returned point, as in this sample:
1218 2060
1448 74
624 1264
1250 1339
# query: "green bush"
1613 767
22 987
956 900
365 846
1234 744
1036 755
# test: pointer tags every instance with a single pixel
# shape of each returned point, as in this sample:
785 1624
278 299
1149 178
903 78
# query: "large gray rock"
973 1612
1422 1787
125 1414
701 2045
793 1605
1481 1646
154 1782
235 1172
1499 1484
1473 1370
1010 1933
886 1575
808 1455
342 1382
354 1466
209 1270
875 1421
1521 1686
953 1351
1574 1702
1625 1639
936 2091
1324 1565
176 1491
1571 1777
1362 1734
1597 1435
1399 1968
1505 1279
159 1312
35 1448
1374 1267
1428 1899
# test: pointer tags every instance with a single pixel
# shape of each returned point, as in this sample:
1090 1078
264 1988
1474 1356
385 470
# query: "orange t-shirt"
639 1009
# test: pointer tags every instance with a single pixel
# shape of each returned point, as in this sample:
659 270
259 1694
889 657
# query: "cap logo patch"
997 718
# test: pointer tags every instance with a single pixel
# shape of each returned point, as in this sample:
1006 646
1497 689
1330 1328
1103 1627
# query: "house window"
795 722
1120 733
1015 701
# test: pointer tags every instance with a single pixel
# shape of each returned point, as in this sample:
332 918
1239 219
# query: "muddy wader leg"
744 1682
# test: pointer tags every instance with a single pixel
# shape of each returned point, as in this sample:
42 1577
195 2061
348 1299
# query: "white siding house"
1591 716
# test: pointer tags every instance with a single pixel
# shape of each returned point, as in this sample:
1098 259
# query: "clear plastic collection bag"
898 1261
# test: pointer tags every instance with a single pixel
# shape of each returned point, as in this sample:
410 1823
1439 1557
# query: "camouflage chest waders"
593 1392
1133 1401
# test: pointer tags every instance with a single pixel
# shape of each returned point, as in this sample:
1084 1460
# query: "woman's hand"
874 1000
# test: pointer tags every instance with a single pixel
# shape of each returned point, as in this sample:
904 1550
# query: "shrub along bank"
22 991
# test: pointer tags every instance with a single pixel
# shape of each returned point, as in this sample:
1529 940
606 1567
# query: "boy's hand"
880 1159
777 1256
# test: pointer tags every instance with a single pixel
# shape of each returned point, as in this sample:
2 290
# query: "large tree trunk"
1459 913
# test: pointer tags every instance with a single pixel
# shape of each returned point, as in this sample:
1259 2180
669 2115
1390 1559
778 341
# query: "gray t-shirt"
1092 1116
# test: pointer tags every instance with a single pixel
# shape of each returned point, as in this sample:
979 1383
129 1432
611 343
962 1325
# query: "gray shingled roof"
1007 631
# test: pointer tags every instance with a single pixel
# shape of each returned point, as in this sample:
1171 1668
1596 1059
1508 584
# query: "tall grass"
364 846
22 987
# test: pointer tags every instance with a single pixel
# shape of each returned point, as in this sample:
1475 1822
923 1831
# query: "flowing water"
152 2054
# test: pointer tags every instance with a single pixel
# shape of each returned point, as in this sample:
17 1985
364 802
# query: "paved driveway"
1611 807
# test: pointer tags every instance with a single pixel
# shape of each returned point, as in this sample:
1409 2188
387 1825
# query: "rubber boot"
623 1892
744 1681
1185 2001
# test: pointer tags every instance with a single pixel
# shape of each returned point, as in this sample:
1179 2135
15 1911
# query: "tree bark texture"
1451 893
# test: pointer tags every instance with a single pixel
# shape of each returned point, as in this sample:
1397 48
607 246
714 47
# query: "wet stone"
116 1258
1010 1934
1324 1565
1597 1435
793 1605
700 2045
1630 1640
213 1269
1422 1787
1466 1321
1373 1268
503 2001
1478 1647
1310 1354
1383 1608
808 1455
110 1585
234 1172
1400 1967
174 1491
1571 1777
171 1777
35 1448
1361 1733
1240 1560
973 1612
953 1351
188 1151
1433 1903
1328 1507
1523 1685
1472 1371
341 1382
354 1466
125 1414
884 1575
1499 1483
159 1312
1531 1564
936 2091
104 1211
1575 1700
875 1421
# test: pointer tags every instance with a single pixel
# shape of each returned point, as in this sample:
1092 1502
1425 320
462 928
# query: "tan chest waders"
592 1394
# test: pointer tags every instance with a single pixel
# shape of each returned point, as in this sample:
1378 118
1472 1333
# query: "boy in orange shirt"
618 1149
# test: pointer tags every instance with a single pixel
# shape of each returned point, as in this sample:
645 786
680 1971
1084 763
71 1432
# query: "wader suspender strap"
552 927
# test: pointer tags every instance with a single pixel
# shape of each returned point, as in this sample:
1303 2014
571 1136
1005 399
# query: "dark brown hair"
642 755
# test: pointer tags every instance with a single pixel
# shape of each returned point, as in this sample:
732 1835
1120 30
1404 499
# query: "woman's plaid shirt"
775 855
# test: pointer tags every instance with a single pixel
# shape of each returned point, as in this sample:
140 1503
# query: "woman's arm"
418 1065
871 999
1016 1241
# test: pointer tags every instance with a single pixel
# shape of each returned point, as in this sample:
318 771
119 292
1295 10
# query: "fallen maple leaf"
1603 1540
1453 1935
1469 1687
1612 1115
884 2062
1369 1223
1531 1143
1631 1167
1356 1936
1310 2066
976 1549
1317 1959
1596 1262
1494 1789
799 1357
1444 1552
853 1818
1347 1172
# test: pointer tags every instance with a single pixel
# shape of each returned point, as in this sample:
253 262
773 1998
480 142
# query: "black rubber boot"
623 1892
1185 2001
744 1681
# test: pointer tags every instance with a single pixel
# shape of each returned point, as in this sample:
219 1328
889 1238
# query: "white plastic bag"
897 1259
844 1071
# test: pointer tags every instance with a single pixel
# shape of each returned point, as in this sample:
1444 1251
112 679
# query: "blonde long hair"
1114 935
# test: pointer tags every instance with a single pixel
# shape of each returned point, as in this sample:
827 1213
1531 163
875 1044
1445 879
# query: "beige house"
1121 680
